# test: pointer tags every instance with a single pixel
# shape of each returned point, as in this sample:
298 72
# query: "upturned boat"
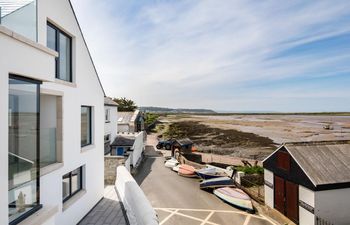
217 183
235 197
210 172
187 171
170 163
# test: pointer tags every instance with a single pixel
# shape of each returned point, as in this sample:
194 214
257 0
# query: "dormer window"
62 43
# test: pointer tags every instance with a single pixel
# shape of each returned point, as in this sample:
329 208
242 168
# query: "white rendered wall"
307 196
86 90
137 149
25 60
269 192
21 59
333 206
111 127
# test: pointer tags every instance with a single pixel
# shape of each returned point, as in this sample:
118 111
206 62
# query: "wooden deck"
107 212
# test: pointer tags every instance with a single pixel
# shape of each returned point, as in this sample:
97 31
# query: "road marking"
168 217
171 210
184 215
247 220
207 218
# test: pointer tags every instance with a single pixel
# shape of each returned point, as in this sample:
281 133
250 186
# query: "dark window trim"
57 46
69 175
38 206
90 127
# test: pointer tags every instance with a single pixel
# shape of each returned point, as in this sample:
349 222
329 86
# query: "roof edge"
82 34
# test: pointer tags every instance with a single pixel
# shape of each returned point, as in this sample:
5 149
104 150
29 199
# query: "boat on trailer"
217 183
235 197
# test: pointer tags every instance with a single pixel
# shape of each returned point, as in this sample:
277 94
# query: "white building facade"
111 125
52 117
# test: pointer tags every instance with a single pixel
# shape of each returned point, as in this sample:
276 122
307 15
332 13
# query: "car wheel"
167 146
158 146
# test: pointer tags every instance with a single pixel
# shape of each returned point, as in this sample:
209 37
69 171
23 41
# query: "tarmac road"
179 201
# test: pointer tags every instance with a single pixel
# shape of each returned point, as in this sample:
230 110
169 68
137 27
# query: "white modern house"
52 116
309 182
111 117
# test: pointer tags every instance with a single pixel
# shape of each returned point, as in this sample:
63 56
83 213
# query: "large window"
24 148
62 43
86 127
72 183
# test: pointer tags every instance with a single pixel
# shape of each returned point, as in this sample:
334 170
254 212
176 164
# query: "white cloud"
174 53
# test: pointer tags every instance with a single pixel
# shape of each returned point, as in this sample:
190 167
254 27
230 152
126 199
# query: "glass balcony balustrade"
20 16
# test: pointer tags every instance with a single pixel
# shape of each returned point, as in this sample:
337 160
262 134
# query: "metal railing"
254 190
320 221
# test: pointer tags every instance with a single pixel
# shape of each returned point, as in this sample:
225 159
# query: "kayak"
210 172
176 168
187 171
217 183
235 197
170 163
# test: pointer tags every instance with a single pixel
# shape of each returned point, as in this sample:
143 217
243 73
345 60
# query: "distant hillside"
170 110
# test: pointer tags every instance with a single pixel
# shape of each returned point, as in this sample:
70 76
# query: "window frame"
59 31
69 175
90 127
107 115
38 205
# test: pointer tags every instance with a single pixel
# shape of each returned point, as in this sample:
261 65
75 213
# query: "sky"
279 56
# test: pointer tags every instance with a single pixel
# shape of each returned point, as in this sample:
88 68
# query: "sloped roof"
110 102
126 141
185 141
323 162
127 117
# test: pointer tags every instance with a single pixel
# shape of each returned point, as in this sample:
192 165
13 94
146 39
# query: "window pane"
65 186
64 57
85 126
76 181
51 38
23 147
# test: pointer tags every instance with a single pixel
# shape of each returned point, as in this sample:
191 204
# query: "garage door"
292 201
279 194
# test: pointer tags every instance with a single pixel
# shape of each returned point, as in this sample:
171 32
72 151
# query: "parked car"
165 144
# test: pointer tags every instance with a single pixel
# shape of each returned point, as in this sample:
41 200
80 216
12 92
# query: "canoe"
235 197
217 183
187 171
176 168
170 163
210 172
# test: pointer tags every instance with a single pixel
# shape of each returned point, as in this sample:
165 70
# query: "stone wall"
111 163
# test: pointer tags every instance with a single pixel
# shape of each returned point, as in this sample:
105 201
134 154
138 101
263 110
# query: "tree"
125 105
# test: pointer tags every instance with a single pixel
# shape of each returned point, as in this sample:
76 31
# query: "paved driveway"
179 201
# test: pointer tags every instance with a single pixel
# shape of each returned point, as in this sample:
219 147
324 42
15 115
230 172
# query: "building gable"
282 164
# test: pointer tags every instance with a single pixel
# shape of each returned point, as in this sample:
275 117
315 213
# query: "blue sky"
246 55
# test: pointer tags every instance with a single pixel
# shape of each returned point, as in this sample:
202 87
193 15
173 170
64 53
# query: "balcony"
20 16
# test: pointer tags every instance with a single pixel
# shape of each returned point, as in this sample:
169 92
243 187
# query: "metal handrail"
22 158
